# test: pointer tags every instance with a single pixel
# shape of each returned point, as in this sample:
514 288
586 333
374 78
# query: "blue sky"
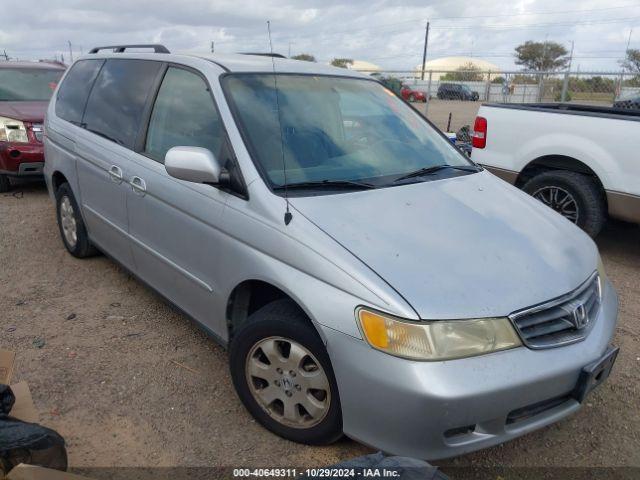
387 33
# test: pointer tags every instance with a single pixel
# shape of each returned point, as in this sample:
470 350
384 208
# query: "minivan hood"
24 111
464 247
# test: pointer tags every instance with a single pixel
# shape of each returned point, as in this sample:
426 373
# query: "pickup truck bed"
581 160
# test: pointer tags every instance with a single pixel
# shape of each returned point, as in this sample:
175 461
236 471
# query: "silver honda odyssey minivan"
366 277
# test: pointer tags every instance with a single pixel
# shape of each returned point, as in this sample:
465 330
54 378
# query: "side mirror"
193 164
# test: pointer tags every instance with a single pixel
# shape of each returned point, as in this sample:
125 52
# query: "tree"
305 57
632 62
342 62
466 73
520 79
542 56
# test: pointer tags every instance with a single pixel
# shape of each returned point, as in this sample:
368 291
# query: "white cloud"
388 33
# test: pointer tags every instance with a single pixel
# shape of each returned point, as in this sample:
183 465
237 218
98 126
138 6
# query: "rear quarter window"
116 105
75 88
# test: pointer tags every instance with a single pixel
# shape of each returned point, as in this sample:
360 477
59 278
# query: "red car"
411 95
25 89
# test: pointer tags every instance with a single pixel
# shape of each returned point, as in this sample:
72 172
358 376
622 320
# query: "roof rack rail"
275 55
121 48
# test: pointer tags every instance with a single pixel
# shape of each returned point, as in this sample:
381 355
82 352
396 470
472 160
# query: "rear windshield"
24 84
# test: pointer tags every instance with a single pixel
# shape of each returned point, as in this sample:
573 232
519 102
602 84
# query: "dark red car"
411 95
25 89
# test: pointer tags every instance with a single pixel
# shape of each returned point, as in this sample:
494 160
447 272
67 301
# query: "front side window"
184 115
74 91
334 129
116 104
27 84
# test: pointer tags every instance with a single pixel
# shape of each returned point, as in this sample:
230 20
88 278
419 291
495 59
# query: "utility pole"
213 45
565 82
544 53
70 51
619 89
424 52
628 42
571 56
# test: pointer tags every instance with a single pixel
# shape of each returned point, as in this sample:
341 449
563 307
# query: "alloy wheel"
288 382
559 200
68 222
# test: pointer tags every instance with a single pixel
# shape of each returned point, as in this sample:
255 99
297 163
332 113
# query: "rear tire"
575 196
300 383
5 184
72 229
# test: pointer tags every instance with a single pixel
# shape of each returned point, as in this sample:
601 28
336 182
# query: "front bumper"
434 410
21 159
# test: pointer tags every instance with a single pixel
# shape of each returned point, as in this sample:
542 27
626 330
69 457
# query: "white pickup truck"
582 161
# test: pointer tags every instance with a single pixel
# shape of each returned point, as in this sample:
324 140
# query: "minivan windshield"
341 131
28 84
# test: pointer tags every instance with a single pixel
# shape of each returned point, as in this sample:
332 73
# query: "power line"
421 20
537 25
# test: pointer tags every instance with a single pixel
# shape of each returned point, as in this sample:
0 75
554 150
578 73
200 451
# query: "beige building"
367 67
440 66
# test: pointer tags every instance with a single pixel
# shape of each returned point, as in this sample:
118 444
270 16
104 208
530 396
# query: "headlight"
12 131
436 340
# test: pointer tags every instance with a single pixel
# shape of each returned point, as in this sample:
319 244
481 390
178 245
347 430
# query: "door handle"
138 185
115 173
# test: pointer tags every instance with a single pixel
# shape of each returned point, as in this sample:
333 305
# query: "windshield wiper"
346 184
436 168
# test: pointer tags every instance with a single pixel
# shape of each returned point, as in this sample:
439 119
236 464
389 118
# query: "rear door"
110 125
174 224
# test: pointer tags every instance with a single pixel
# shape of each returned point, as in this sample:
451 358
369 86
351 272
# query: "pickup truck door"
174 224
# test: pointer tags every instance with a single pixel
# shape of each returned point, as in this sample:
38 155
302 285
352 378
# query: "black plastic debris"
7 399
22 442
377 465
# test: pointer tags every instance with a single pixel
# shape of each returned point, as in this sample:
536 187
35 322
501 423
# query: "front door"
174 224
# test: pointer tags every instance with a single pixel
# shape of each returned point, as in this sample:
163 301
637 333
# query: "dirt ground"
128 381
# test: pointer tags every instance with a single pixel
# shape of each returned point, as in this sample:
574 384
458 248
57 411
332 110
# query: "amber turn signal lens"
374 328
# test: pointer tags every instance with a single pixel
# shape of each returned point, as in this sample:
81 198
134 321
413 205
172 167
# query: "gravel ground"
128 381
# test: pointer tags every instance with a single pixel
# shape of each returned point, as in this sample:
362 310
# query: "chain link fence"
451 99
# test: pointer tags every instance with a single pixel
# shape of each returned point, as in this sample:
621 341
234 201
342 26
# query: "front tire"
283 375
5 184
72 229
575 196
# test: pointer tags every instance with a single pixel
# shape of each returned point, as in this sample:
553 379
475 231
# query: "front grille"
564 320
37 131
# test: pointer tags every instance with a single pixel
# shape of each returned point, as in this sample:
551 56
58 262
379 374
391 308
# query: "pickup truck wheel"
575 196
282 373
72 230
5 185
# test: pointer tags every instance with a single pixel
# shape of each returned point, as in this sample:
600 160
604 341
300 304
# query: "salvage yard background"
128 381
